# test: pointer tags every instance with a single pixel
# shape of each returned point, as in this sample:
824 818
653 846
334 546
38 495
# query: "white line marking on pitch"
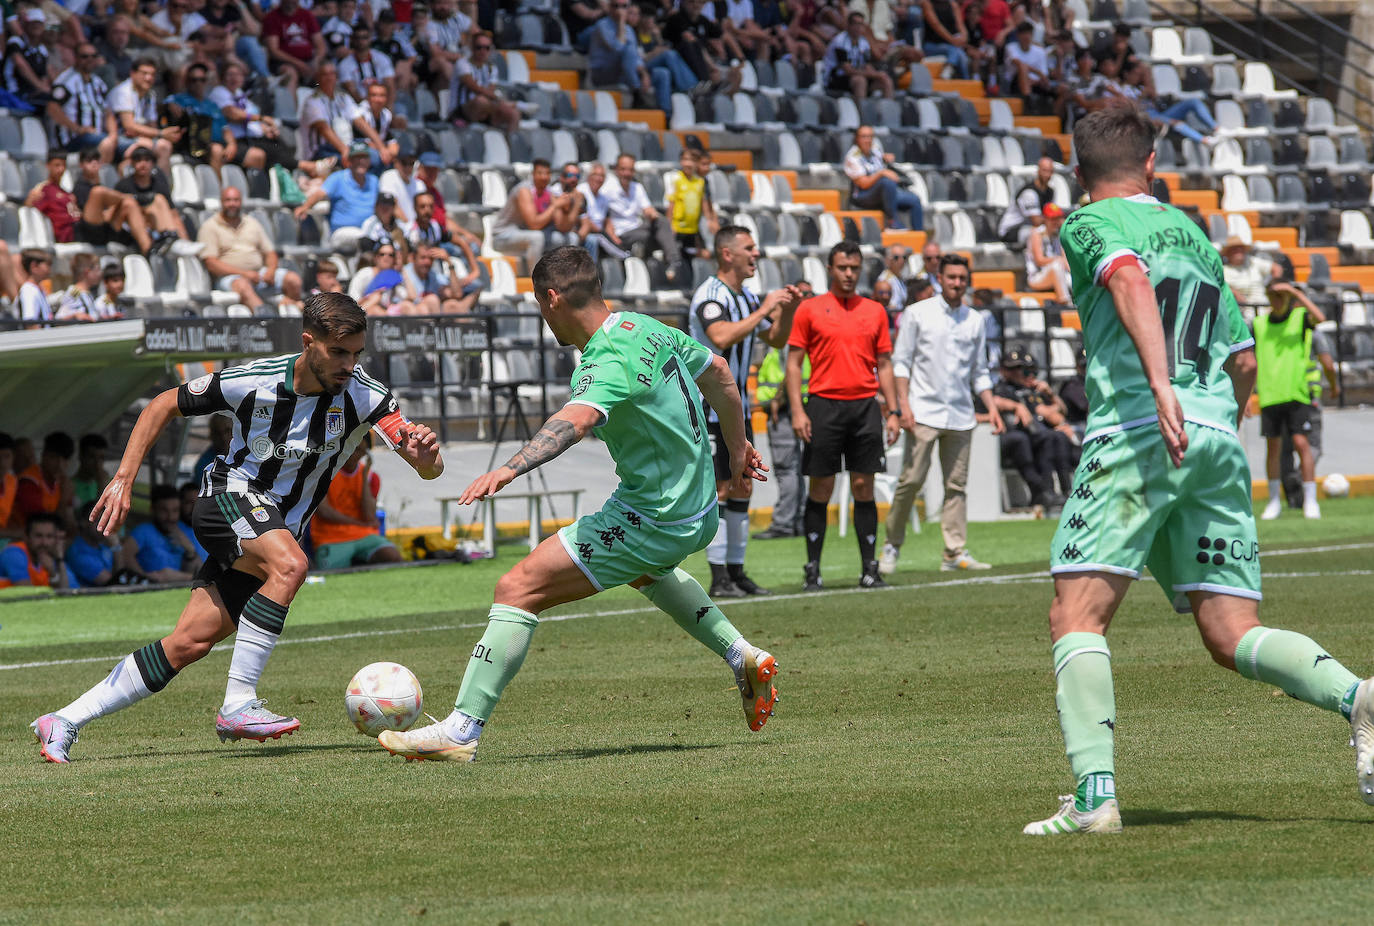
582 615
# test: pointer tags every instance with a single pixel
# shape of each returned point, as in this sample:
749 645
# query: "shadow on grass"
252 750
639 749
1151 817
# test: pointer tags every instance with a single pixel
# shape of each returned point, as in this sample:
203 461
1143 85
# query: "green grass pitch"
618 782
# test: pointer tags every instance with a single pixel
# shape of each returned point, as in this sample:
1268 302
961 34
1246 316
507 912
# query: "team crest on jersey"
259 514
334 421
711 311
198 386
1088 240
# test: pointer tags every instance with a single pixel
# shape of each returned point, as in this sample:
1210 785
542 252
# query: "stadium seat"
1355 232
1165 44
1259 81
33 139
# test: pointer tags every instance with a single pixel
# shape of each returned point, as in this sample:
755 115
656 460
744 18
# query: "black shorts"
846 434
101 235
1288 418
222 522
720 454
838 83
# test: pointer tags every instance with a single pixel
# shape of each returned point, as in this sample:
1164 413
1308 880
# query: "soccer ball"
1336 486
383 696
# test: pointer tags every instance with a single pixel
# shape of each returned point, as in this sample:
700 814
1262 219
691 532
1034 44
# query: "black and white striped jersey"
286 447
715 302
82 98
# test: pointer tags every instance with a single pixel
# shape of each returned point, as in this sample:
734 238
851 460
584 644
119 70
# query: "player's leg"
916 451
547 577
719 550
146 671
1083 606
865 453
1301 426
954 453
821 460
1271 429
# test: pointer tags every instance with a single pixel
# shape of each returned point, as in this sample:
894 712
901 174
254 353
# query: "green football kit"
1130 507
640 375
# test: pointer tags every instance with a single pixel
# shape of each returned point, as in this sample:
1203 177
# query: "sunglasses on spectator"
571 175
482 47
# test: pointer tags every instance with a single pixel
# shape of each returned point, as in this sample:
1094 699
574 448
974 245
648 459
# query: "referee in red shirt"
842 427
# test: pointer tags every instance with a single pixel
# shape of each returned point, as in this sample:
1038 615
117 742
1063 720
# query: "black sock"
734 570
814 523
866 528
718 573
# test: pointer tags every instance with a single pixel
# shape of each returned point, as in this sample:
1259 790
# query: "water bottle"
381 521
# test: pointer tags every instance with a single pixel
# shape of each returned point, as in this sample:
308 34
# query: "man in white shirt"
1027 64
326 118
631 219
363 66
1248 274
33 302
134 106
939 363
401 181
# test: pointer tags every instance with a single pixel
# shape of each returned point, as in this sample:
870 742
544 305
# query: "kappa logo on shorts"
1082 491
1076 522
1221 547
584 552
634 519
1071 552
611 535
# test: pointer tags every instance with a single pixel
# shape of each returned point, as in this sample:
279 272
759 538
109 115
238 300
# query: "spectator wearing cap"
352 195
27 60
37 560
945 34
134 107
239 255
938 363
76 109
1248 274
849 64
1046 266
1027 208
294 44
401 180
1036 439
44 487
153 194
527 224
473 94
1027 69
613 58
873 184
841 425
385 226
378 124
363 66
33 301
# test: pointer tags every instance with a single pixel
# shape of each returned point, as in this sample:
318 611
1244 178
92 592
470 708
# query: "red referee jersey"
843 340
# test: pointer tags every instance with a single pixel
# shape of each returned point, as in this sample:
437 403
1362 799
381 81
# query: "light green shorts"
1192 526
615 546
350 552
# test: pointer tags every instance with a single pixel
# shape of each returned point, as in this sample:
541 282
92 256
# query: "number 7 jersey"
1203 325
640 375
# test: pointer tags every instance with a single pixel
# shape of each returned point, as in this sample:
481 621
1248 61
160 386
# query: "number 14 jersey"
1203 325
640 375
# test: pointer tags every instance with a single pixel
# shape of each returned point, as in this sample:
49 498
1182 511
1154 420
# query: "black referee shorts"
720 453
1288 418
846 435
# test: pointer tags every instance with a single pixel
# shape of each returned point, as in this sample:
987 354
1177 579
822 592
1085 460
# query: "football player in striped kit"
730 319
296 420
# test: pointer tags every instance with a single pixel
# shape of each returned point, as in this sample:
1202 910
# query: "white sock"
735 654
736 524
136 676
1275 492
461 727
716 549
260 627
1309 493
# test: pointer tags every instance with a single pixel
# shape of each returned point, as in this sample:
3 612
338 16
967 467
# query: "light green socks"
1087 713
495 660
685 601
1299 666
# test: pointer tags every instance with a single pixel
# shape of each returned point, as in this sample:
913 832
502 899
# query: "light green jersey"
1203 325
640 374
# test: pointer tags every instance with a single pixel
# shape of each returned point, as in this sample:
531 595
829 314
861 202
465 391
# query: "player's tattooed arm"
553 438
